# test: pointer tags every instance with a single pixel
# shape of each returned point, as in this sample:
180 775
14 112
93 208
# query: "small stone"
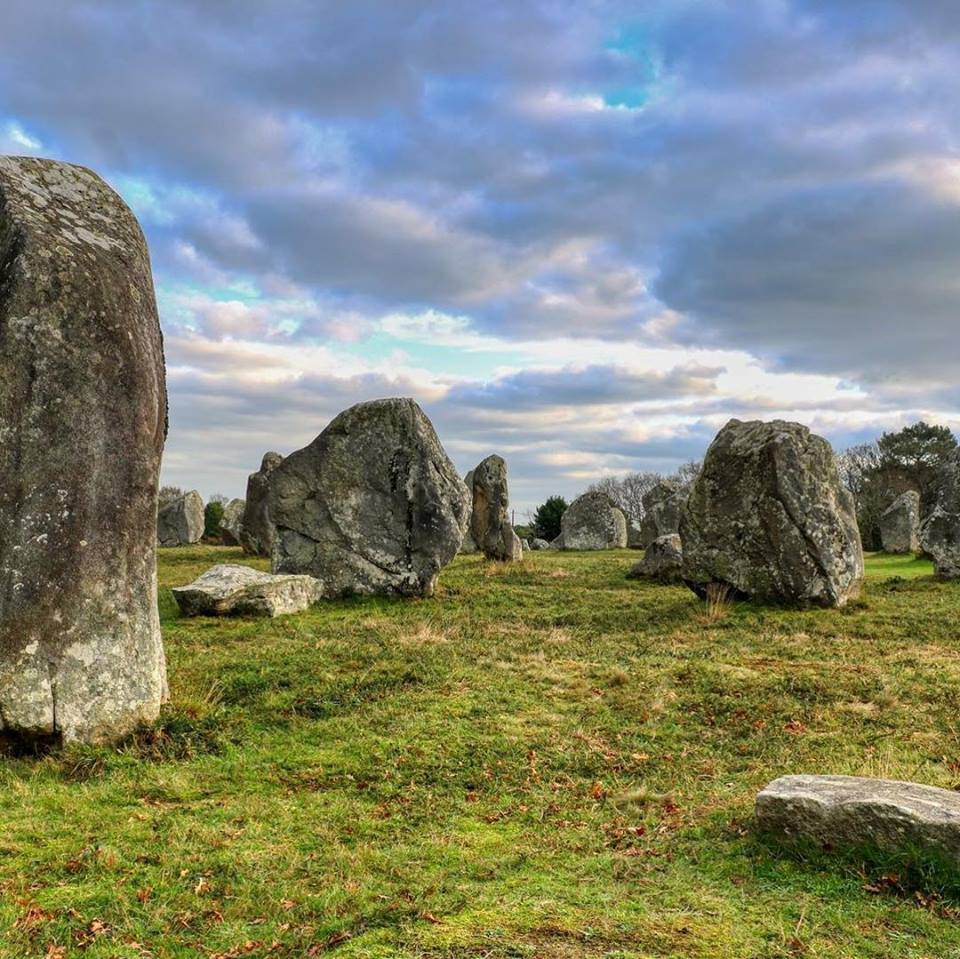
226 590
537 543
851 812
900 524
180 522
662 561
592 522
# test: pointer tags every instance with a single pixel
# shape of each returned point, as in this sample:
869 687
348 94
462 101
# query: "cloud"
582 234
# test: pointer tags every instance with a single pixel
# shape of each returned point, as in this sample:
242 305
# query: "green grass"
545 760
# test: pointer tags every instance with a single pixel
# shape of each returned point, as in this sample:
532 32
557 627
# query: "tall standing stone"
900 524
372 506
592 522
82 426
256 529
940 535
768 518
490 527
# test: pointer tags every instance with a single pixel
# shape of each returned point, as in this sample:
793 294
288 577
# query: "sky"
582 235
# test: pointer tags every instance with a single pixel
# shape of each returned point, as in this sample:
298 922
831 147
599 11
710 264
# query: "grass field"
542 760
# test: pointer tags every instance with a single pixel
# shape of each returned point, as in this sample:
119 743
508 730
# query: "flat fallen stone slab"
227 590
849 811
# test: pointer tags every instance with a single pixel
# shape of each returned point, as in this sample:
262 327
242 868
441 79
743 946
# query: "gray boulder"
768 518
82 424
900 524
468 545
634 535
256 528
851 812
592 522
372 506
662 561
940 535
537 543
662 507
240 591
490 528
180 522
231 524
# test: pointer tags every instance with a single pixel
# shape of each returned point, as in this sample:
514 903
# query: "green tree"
546 520
213 516
911 459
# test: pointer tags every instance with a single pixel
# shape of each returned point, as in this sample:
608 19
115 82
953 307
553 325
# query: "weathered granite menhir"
372 506
490 531
838 812
769 519
82 426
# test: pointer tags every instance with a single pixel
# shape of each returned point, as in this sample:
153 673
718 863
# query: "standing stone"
662 506
592 522
372 506
256 528
940 535
768 518
490 527
180 522
537 543
850 813
469 545
900 524
232 522
82 425
662 561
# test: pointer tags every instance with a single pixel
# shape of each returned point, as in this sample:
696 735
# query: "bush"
546 520
212 518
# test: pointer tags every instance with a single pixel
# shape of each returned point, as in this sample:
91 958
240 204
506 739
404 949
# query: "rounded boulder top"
83 416
372 505
768 518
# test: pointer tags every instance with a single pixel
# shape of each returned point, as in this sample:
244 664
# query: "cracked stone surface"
850 811
82 427
227 590
372 506
769 518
